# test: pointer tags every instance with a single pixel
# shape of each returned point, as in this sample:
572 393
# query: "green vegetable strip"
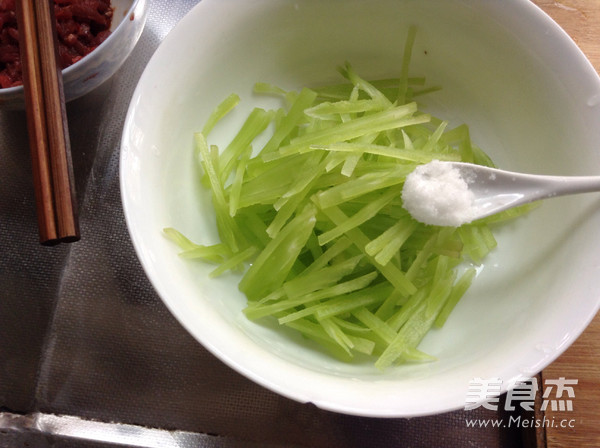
415 327
278 294
298 314
336 249
409 155
337 334
375 324
352 160
220 111
344 287
342 91
387 308
318 279
286 211
408 144
257 167
389 242
488 236
342 305
305 178
443 280
225 225
360 345
366 213
254 226
476 245
458 290
407 55
392 118
316 333
366 86
334 306
332 111
481 158
313 246
350 164
509 214
265 189
236 186
305 175
208 164
360 240
213 154
272 307
352 328
421 258
435 137
460 136
353 98
266 88
295 115
215 253
233 262
451 247
408 309
360 186
333 160
273 264
178 238
256 311
257 122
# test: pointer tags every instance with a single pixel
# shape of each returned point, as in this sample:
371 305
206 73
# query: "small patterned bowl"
85 75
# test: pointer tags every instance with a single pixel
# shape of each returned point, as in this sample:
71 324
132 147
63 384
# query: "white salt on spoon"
455 193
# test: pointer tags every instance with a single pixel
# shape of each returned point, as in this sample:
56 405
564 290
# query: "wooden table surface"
581 20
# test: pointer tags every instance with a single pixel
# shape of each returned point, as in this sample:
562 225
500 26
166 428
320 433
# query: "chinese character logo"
483 392
558 403
557 393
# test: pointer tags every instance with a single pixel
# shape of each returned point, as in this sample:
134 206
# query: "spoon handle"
563 185
497 190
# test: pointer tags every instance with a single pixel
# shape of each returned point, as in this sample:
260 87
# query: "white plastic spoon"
455 193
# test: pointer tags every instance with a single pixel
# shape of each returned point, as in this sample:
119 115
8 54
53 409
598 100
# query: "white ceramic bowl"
88 73
532 101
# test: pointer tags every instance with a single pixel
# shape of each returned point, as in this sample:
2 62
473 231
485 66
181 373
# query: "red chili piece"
81 26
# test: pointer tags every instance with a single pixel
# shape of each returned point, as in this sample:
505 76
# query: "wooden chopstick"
36 123
56 116
47 123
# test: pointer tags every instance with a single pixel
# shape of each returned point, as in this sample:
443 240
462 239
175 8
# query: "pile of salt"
437 194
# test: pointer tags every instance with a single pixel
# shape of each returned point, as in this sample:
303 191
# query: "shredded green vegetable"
315 223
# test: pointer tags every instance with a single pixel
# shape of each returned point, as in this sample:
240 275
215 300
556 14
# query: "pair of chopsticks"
47 123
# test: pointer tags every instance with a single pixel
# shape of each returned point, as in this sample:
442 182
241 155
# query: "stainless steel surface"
89 354
71 430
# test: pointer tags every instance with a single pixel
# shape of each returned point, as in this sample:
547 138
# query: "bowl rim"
15 90
301 394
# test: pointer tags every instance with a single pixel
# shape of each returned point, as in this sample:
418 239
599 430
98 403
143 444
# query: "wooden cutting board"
581 20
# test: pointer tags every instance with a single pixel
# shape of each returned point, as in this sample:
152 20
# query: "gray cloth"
82 332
